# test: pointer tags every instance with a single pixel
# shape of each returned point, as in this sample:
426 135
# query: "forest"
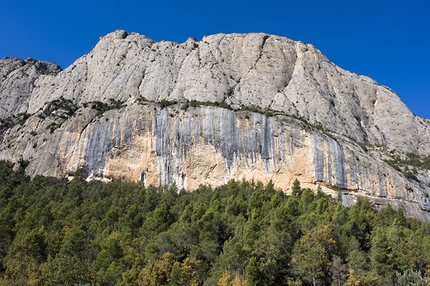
60 232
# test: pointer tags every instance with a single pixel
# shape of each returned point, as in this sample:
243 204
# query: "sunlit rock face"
250 106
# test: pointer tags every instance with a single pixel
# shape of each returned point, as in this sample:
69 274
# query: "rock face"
251 106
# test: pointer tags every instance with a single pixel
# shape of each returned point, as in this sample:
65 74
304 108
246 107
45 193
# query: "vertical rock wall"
139 140
208 145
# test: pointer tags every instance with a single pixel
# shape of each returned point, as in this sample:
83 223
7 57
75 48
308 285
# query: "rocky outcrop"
17 81
251 106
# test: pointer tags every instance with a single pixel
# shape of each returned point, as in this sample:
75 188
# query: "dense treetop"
60 232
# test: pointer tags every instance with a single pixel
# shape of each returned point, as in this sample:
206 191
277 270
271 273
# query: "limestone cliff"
251 106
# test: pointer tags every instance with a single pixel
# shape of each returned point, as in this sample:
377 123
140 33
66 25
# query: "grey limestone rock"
252 106
17 82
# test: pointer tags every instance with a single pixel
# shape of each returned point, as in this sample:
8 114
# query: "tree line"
59 232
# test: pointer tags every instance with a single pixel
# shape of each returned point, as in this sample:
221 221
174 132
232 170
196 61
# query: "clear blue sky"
387 40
